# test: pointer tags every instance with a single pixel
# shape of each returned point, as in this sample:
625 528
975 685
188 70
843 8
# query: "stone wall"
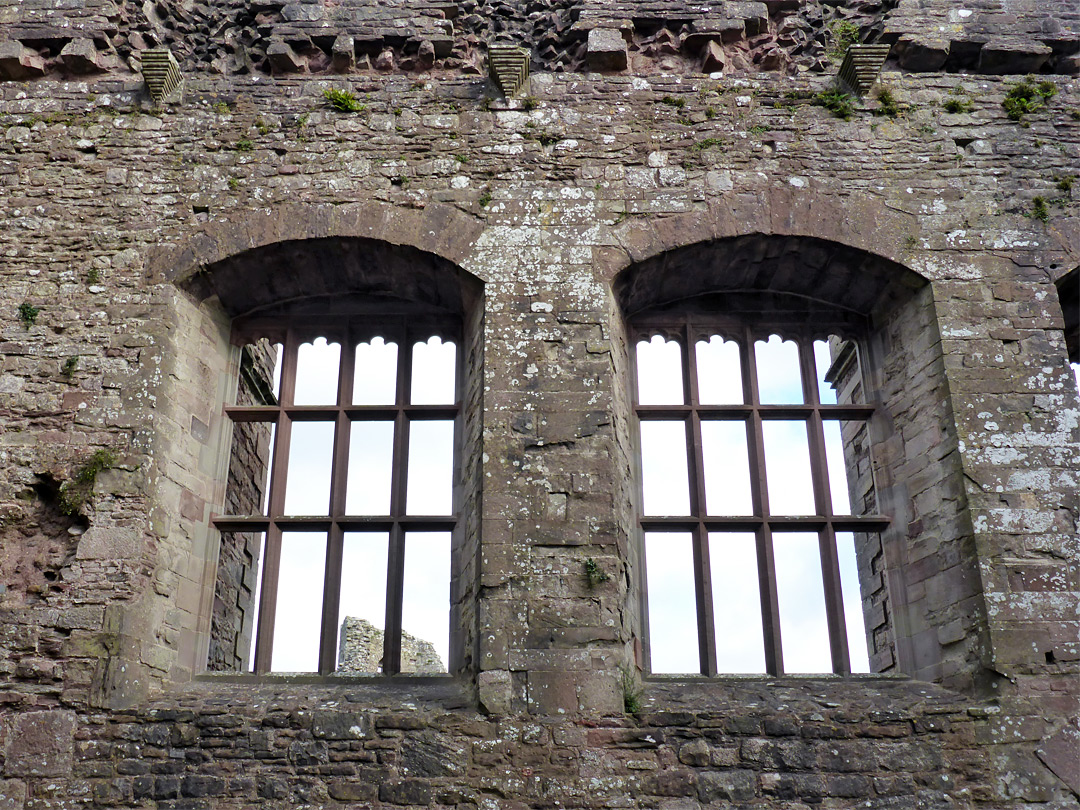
941 219
361 650
793 744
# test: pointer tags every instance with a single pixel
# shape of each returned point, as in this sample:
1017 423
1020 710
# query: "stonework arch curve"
439 230
823 273
707 268
292 261
857 221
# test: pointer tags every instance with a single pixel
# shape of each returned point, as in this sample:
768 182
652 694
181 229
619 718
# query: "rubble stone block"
425 57
109 543
344 53
12 794
734 785
17 62
755 15
81 56
41 744
922 53
713 59
385 60
712 29
607 50
1010 56
303 12
284 59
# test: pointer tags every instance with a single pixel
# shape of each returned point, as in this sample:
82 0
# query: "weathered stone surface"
713 59
714 29
40 744
284 59
922 53
19 62
425 57
1013 56
607 50
109 543
12 794
140 234
82 56
344 53
1061 754
384 61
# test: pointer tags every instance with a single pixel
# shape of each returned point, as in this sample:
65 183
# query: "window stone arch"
218 275
924 578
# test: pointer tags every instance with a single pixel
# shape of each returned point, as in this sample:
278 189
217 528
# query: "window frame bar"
812 413
348 334
268 598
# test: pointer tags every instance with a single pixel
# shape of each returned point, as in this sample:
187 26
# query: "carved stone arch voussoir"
440 230
860 221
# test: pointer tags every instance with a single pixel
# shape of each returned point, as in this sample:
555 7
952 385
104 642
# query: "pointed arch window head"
749 466
344 542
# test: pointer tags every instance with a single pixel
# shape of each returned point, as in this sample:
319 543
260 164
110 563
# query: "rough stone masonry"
660 154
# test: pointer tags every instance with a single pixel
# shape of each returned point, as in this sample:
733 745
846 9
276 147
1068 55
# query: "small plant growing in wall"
75 493
632 695
836 101
28 314
677 103
485 198
844 34
957 105
595 574
93 275
889 105
70 365
342 101
1027 97
707 143
1039 209
1065 183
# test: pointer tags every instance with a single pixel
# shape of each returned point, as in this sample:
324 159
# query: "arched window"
771 378
344 528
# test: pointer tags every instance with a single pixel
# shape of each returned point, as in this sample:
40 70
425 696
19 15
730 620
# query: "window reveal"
354 530
749 535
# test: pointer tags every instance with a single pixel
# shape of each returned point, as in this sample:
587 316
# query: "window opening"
1068 290
347 564
749 531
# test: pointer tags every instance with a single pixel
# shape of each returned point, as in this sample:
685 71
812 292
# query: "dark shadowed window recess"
756 488
1068 288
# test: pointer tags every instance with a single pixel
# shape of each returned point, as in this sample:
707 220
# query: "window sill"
754 678
315 679
380 692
